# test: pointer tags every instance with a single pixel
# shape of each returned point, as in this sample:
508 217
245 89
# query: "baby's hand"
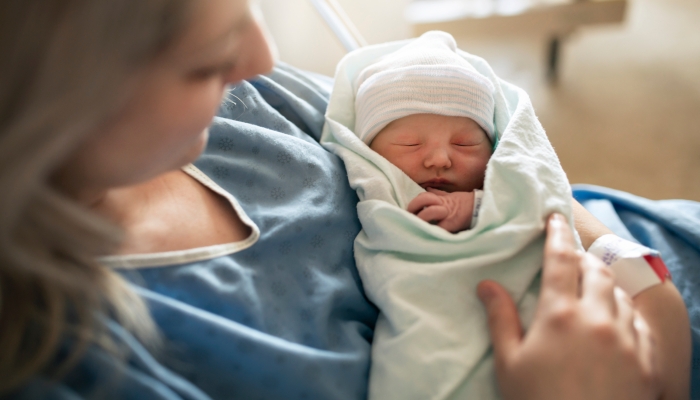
450 211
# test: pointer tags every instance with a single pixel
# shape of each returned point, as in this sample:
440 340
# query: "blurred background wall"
624 113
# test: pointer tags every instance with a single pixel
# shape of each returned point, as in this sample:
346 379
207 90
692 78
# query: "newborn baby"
422 129
430 113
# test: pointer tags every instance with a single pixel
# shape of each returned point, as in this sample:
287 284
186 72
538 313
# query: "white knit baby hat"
426 76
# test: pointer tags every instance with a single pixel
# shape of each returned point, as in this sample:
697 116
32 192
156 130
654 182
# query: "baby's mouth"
436 183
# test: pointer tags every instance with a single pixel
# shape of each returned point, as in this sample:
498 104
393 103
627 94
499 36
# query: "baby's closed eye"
407 144
468 143
469 140
406 140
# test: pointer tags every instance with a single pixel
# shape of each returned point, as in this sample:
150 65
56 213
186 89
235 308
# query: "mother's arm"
587 226
663 308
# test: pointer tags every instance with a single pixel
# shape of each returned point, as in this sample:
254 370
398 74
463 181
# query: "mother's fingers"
626 315
647 350
561 269
504 324
598 284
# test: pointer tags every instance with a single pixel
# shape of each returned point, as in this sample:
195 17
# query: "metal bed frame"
339 22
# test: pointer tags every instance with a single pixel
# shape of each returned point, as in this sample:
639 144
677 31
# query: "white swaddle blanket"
431 340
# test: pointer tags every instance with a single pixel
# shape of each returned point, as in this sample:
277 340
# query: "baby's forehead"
434 124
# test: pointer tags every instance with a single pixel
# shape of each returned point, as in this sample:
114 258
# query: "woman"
101 104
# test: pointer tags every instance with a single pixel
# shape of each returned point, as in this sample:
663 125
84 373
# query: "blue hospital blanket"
670 226
286 176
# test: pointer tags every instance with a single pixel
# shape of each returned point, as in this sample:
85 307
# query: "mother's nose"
437 158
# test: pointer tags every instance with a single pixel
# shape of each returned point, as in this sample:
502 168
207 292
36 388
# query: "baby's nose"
438 158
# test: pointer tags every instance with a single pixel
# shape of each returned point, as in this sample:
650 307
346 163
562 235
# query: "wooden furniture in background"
555 19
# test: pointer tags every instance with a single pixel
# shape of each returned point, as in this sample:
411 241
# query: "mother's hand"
586 341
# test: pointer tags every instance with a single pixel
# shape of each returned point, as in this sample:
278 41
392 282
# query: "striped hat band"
448 90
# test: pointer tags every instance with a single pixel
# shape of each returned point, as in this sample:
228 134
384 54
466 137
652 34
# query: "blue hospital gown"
283 319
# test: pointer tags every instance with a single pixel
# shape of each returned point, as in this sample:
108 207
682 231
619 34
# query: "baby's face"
446 153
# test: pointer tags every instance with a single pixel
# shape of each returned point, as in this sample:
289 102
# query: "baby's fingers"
433 214
421 201
456 222
437 191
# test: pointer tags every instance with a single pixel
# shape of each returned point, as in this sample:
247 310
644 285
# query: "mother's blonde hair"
65 69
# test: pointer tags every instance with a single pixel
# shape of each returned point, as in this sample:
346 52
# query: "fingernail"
556 217
485 293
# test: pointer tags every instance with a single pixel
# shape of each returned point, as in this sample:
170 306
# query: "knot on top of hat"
426 76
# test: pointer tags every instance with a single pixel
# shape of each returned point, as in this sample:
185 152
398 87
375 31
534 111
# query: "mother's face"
163 127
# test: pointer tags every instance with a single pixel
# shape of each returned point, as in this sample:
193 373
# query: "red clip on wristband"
657 264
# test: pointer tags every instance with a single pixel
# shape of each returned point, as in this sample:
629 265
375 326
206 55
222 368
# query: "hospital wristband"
478 196
636 267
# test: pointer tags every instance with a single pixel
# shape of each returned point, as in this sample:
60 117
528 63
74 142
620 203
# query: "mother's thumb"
503 320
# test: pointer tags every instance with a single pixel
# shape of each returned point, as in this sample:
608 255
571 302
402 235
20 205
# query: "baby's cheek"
482 173
407 163
474 174
480 161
